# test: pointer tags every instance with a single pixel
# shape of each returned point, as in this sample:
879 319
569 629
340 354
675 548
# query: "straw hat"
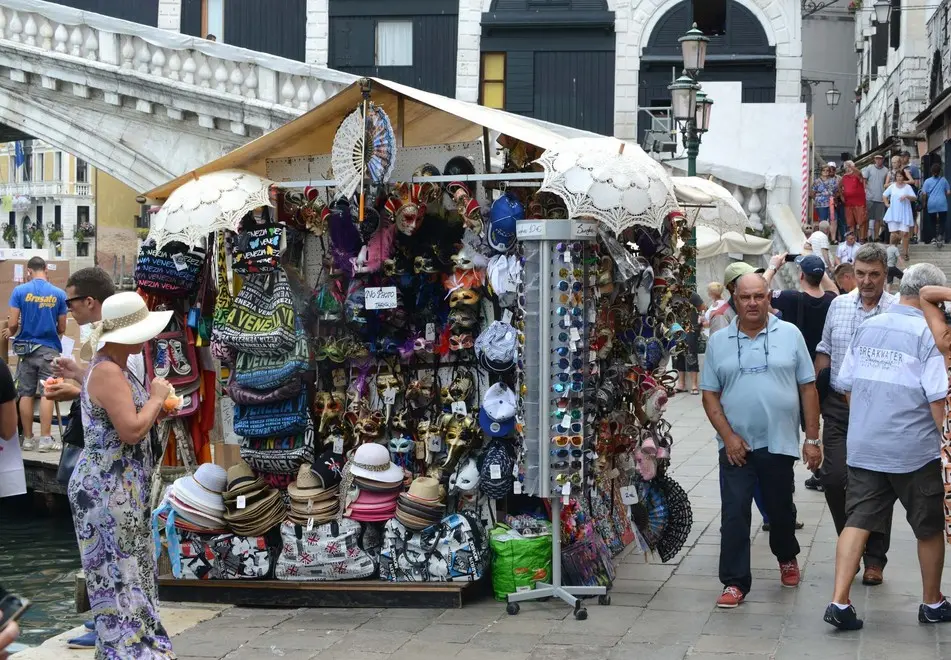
307 485
202 490
126 319
426 490
242 481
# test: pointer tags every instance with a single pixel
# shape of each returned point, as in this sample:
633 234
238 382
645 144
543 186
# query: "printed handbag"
262 320
327 552
223 302
279 455
196 557
258 249
171 355
455 550
172 272
264 372
587 563
242 557
600 510
281 418
247 396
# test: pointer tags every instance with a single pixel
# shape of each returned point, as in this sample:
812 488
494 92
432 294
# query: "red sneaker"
730 598
789 570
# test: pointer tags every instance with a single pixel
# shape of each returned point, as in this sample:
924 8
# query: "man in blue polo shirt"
756 371
37 320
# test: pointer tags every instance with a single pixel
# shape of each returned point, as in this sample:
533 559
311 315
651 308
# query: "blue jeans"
774 473
757 499
840 221
822 212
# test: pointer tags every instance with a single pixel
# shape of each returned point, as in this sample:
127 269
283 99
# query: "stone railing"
180 63
34 188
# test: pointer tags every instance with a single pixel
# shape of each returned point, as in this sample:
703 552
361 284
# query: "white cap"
497 416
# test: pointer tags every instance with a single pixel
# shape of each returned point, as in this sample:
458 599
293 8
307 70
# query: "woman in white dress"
900 218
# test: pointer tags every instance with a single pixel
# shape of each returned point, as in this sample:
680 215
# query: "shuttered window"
879 48
493 80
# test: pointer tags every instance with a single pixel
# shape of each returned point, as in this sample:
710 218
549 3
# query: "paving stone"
673 599
649 652
483 654
739 623
506 641
286 640
411 625
735 644
659 627
454 633
336 652
519 625
570 652
419 649
375 641
248 653
827 646
598 640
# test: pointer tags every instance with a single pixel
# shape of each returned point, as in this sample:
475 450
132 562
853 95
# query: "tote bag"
455 550
262 319
171 272
284 418
265 372
258 249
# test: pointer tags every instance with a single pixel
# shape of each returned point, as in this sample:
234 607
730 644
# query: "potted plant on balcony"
854 6
865 84
55 237
10 234
84 231
37 236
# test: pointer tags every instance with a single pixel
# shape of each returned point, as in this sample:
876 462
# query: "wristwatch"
816 443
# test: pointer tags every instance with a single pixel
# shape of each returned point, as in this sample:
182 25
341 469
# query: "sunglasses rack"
556 311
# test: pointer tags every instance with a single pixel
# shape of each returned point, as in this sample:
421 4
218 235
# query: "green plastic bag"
518 562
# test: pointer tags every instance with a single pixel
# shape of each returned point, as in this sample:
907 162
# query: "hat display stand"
544 238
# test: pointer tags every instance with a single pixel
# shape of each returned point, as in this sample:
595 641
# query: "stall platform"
350 593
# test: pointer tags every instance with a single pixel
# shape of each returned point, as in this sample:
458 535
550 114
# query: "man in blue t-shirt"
37 320
934 196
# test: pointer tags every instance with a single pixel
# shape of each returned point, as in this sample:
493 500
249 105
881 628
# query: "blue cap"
810 263
505 212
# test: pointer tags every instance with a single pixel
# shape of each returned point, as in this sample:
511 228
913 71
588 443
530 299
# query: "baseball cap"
738 269
503 215
496 348
497 415
810 263
832 165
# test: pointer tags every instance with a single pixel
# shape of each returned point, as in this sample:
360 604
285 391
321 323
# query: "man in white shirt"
845 254
874 176
819 242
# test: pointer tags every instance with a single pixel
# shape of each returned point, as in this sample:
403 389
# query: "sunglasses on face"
70 301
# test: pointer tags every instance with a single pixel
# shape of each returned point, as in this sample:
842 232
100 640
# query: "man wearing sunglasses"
755 374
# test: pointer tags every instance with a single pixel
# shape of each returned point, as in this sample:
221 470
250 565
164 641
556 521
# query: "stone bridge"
140 103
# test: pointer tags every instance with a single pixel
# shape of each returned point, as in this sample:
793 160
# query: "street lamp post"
691 108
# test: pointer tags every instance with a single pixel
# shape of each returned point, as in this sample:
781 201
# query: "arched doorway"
743 54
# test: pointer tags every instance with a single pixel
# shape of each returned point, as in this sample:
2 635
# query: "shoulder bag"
262 320
455 550
288 417
327 552
264 372
170 272
258 249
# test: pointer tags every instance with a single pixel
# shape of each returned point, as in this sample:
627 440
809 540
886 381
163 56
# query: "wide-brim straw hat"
426 490
372 461
421 510
414 522
126 319
242 481
189 490
197 517
254 508
378 486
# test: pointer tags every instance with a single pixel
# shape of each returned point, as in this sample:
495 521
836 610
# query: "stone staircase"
932 255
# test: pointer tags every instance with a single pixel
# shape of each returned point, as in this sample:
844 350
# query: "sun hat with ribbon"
126 319
369 461
203 490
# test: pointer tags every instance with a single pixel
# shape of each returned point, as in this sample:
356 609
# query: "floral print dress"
109 495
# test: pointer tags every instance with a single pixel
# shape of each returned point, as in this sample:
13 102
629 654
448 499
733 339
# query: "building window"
82 215
82 249
213 19
82 171
492 94
58 218
39 215
944 26
394 43
58 166
27 162
13 169
27 239
40 170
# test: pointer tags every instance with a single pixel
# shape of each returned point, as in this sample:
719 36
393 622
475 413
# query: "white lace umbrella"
209 203
709 204
611 181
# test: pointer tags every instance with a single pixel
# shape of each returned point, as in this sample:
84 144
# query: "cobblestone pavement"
659 611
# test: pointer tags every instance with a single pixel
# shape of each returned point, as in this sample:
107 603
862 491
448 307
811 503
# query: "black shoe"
765 526
935 614
813 483
845 619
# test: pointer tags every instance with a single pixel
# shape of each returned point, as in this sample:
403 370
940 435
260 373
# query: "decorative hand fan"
363 148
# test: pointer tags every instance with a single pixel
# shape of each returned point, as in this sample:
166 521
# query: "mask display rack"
557 312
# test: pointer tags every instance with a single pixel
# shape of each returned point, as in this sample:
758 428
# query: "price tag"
495 471
566 422
529 230
515 470
242 502
517 487
573 346
430 332
629 495
574 334
507 316
420 451
583 229
566 489
435 444
310 524
379 297
567 256
50 266
459 408
565 501
338 444
592 356
389 396
179 261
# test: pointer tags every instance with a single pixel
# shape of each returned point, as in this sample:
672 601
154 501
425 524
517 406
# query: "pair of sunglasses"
565 440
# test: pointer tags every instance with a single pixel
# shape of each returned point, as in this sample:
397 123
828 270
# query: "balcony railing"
83 189
34 188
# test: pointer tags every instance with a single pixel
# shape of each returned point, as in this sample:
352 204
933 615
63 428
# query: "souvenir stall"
425 367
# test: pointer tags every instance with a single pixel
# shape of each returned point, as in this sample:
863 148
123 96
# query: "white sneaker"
28 444
57 445
45 444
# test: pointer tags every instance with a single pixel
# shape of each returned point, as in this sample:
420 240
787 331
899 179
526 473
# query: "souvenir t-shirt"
853 189
937 190
40 304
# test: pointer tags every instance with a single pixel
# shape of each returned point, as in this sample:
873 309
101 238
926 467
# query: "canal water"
39 560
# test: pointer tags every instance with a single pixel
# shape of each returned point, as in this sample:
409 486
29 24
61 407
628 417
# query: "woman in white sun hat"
109 489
